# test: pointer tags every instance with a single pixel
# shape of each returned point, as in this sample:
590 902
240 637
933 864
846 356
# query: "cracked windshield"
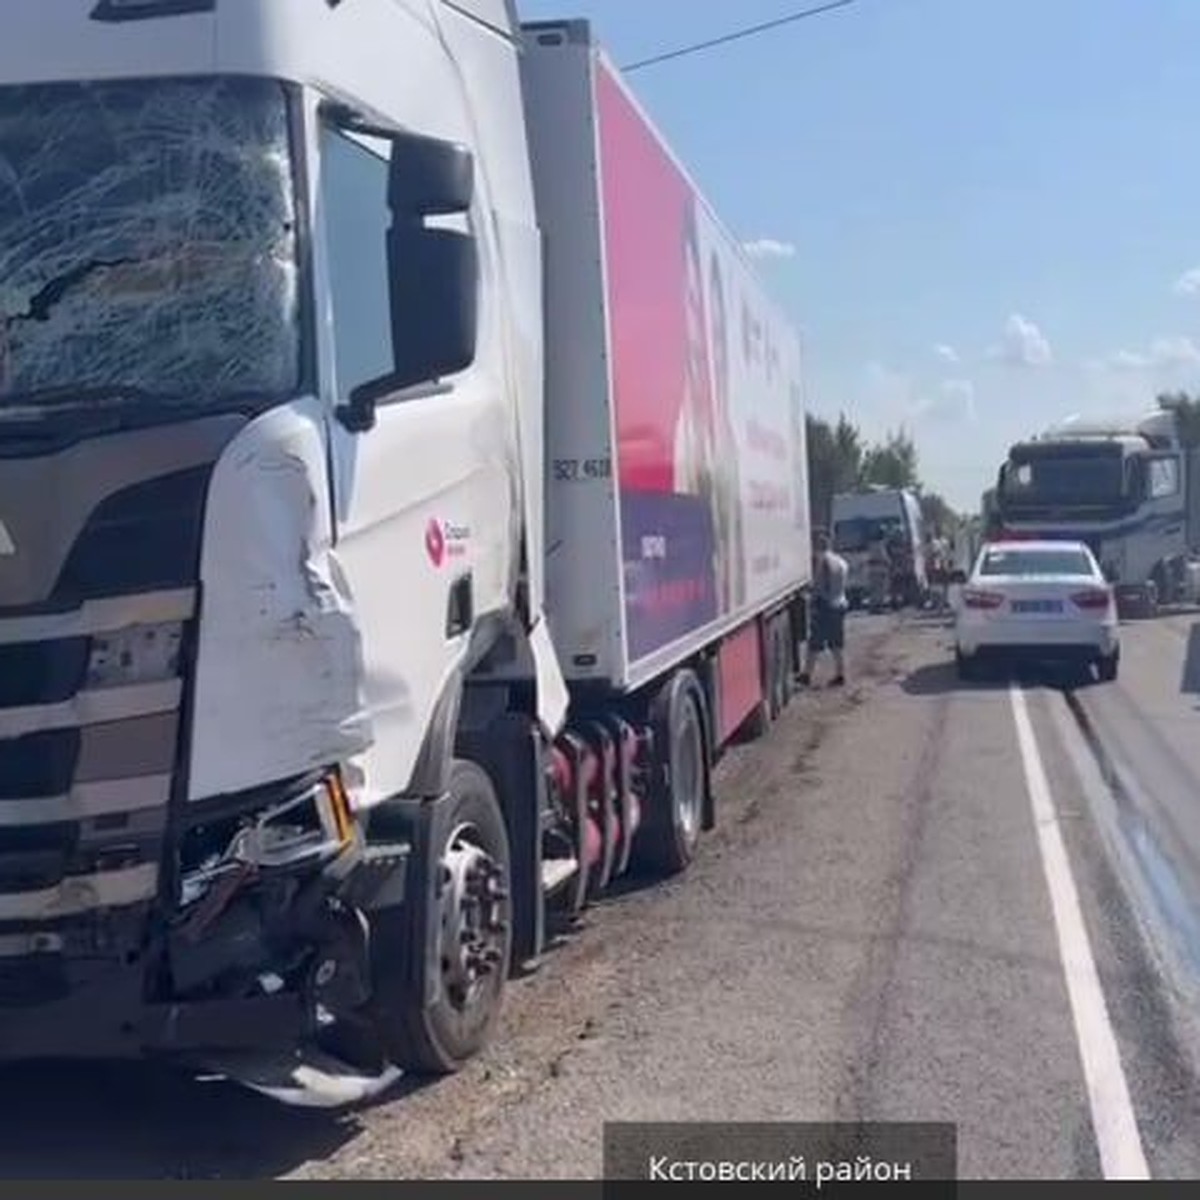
600 592
147 240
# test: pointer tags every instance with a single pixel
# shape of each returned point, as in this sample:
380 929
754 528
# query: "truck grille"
92 678
42 672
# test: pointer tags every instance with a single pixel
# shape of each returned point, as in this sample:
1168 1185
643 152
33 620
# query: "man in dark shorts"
827 629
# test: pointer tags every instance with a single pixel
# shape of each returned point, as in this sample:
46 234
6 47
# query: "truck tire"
470 911
1157 593
784 658
666 843
774 681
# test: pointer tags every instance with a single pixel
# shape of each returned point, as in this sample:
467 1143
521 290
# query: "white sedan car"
1040 601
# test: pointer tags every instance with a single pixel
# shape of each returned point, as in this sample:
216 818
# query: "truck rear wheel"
784 660
667 841
468 913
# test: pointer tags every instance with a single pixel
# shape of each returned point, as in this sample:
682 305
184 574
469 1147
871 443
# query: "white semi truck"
1129 488
403 502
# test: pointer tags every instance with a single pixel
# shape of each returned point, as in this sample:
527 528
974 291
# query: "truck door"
423 501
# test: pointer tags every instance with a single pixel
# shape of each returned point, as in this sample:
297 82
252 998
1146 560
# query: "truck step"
556 872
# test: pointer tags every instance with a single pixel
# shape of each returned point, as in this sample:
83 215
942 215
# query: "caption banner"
818 1157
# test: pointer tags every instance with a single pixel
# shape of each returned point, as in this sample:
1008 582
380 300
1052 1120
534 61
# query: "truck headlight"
139 654
305 829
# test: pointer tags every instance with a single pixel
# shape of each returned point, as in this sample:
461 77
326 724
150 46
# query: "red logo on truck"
435 542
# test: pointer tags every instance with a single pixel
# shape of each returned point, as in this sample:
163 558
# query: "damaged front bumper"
256 941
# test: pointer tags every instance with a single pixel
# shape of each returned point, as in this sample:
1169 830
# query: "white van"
859 519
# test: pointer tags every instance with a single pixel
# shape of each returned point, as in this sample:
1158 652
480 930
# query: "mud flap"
409 958
553 698
510 749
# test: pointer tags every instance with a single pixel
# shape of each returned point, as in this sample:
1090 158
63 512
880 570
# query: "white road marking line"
1113 1120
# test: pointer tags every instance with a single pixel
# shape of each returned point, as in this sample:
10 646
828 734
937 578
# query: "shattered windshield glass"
858 533
147 240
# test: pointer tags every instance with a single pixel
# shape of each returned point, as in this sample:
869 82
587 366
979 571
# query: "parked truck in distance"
404 501
1128 489
876 514
989 515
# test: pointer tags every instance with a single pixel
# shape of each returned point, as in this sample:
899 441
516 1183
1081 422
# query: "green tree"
821 456
939 516
835 461
892 464
848 455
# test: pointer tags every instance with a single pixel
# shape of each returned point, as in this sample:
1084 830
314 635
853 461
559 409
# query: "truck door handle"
460 606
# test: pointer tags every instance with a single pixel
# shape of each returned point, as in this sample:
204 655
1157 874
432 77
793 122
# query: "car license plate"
1037 606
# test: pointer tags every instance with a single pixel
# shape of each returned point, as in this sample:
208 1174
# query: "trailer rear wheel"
778 700
667 841
780 672
468 928
785 656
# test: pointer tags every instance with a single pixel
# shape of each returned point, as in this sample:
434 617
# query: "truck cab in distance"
1128 489
892 516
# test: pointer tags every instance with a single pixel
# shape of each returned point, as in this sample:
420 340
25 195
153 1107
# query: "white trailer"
404 501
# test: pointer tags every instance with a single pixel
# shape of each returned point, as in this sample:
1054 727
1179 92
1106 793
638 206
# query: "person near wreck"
827 628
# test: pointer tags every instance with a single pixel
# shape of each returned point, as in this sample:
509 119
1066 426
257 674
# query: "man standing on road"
828 628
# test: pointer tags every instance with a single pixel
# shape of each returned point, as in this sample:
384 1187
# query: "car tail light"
1092 600
973 598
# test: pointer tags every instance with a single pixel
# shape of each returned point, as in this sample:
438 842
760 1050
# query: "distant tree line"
840 459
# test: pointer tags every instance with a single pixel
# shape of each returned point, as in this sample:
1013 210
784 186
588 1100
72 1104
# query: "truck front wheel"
466 918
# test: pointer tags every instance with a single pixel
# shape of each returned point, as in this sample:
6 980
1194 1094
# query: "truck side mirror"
429 177
433 278
433 272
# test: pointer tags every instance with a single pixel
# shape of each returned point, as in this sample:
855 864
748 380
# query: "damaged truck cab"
389 545
269 307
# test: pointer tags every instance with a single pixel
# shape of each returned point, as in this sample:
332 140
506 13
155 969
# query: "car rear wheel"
1107 668
968 668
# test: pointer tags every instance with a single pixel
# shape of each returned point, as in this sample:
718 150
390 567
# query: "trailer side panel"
706 394
677 495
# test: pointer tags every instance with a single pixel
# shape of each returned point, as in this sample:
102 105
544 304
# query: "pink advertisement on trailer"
706 398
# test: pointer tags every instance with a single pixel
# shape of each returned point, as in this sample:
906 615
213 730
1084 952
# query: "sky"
982 216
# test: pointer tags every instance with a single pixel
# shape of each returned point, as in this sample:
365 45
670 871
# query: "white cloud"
890 390
1023 344
895 398
769 248
953 401
946 353
1188 284
1126 360
1164 353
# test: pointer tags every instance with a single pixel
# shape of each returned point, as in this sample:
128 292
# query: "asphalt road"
924 902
